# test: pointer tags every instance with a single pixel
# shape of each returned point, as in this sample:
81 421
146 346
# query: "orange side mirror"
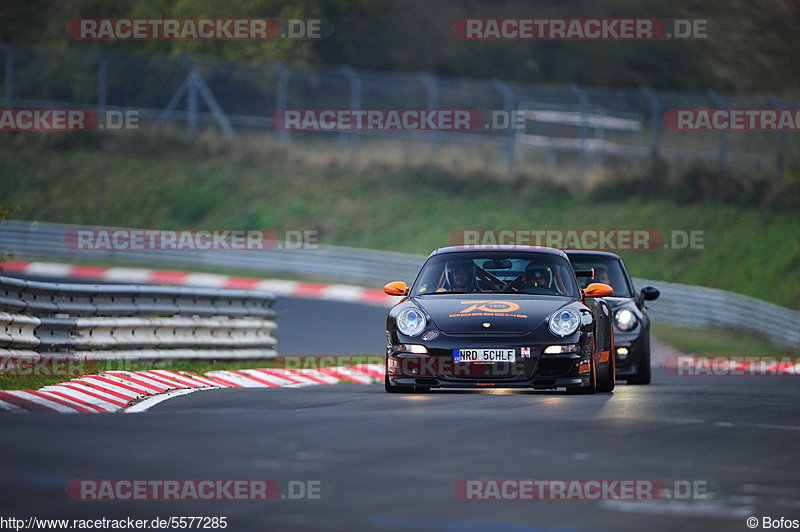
598 290
396 288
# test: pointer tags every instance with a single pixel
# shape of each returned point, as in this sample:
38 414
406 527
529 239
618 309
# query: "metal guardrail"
699 306
686 305
141 322
48 241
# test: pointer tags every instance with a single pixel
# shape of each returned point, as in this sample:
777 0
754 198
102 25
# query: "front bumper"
636 344
437 369
536 384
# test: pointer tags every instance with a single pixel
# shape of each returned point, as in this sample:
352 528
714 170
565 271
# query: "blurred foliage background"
754 49
134 179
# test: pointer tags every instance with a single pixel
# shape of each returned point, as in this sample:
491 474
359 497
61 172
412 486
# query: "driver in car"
601 276
460 277
538 277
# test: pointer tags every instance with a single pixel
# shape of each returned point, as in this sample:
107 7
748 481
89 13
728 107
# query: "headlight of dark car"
564 322
625 320
411 321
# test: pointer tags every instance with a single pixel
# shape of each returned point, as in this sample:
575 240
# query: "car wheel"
607 381
586 390
643 373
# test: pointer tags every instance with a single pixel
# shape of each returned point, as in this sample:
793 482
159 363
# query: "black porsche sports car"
483 317
631 322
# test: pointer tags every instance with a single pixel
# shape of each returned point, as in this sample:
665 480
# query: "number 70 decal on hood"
489 308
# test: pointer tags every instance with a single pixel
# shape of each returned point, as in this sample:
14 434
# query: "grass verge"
719 342
748 246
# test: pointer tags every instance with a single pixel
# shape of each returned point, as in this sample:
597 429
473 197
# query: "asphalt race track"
390 462
318 327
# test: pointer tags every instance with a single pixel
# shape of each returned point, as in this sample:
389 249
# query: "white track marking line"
80 395
341 292
295 379
304 380
142 377
142 390
121 274
10 407
49 269
347 373
772 491
171 382
83 386
280 381
188 379
96 389
22 394
175 376
145 404
277 286
717 509
317 374
211 280
202 380
369 370
93 382
127 275
71 402
238 379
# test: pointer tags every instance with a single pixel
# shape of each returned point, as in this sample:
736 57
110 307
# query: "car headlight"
564 322
411 322
625 320
411 348
561 349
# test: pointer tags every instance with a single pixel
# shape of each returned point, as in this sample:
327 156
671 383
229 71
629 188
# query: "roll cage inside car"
498 284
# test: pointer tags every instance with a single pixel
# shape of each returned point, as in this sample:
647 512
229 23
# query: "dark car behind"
631 320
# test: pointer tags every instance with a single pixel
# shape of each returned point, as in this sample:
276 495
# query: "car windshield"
497 272
607 270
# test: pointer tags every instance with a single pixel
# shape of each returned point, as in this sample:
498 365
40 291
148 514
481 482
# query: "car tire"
643 373
607 381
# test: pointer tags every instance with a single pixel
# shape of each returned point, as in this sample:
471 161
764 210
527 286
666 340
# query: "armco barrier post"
723 139
510 133
281 98
9 75
432 89
583 100
781 161
355 101
655 120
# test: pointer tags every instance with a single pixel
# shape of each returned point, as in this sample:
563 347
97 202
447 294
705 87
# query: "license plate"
485 356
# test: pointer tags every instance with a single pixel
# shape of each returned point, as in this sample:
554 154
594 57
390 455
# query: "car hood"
467 313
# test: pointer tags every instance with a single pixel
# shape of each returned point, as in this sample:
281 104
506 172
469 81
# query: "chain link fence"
591 129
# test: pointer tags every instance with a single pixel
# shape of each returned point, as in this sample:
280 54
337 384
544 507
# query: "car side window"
432 280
